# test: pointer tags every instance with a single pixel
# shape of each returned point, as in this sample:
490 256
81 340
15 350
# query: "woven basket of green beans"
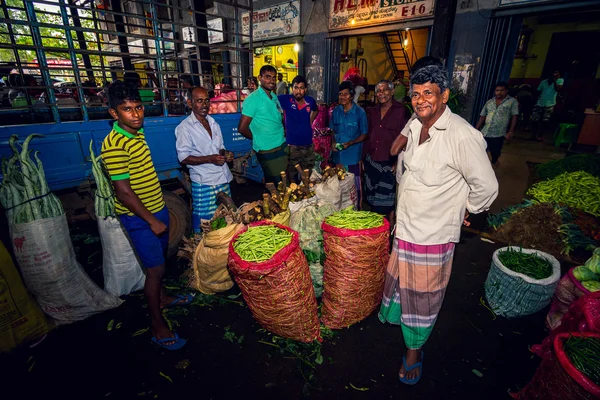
260 243
348 218
584 353
529 264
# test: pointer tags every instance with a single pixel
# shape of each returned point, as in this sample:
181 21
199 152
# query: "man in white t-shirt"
548 89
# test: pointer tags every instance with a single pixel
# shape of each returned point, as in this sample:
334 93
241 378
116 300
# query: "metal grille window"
58 57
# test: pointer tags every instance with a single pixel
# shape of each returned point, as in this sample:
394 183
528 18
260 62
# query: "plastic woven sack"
61 287
553 381
210 261
279 291
354 273
568 290
329 192
349 193
298 205
582 316
21 320
511 294
583 380
123 273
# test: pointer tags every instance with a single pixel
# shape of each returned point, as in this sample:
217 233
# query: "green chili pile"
584 353
24 192
260 243
576 189
104 201
351 219
529 264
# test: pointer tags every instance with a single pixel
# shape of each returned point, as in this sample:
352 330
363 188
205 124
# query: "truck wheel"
180 220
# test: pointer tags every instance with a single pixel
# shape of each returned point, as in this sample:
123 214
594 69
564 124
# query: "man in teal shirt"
548 89
262 122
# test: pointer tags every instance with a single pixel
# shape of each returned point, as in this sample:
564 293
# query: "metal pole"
159 66
73 57
41 56
81 40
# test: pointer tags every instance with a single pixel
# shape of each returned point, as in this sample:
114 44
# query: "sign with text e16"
348 14
273 22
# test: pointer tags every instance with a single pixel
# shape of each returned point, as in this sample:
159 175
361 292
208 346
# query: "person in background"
282 86
386 120
139 203
299 113
447 170
542 111
262 122
399 88
133 77
186 83
251 84
200 147
350 126
495 118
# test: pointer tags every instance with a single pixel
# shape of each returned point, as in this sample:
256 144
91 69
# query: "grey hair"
431 73
386 82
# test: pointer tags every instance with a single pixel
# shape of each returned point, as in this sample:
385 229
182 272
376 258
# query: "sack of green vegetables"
521 281
577 282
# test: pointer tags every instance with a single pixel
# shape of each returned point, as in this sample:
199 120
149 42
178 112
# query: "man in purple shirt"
386 121
299 113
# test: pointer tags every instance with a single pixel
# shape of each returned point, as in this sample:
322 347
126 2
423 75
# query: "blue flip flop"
407 368
178 342
181 300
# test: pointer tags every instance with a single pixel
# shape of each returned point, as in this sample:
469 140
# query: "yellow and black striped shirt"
127 156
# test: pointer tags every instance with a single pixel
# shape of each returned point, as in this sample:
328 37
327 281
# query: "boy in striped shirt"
139 202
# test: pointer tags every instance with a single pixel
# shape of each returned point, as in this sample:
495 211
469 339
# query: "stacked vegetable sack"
589 273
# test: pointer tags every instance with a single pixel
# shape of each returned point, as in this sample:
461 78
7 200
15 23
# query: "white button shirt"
192 139
447 173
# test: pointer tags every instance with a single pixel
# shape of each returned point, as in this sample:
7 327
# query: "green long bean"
351 219
528 264
260 243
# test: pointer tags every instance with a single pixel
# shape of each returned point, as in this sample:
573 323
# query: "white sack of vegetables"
41 242
521 281
122 271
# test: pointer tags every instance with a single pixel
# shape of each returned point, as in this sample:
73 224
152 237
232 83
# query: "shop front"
378 40
276 39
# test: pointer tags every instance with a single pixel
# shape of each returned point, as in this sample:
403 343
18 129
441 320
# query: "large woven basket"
279 291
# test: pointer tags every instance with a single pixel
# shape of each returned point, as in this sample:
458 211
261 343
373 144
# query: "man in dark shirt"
386 120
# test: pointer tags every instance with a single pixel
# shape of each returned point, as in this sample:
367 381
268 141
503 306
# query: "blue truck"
59 60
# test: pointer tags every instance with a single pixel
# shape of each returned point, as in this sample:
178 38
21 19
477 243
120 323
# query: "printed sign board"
273 22
348 14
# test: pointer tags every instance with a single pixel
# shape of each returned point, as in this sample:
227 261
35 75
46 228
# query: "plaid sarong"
204 202
415 285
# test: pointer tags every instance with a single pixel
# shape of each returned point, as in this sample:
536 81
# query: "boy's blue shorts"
151 249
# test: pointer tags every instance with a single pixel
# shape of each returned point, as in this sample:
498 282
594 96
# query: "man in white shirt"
200 147
446 172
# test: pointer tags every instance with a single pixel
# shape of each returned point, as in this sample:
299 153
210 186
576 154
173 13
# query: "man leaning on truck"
262 122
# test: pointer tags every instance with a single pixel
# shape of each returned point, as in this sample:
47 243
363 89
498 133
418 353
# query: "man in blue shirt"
350 126
299 113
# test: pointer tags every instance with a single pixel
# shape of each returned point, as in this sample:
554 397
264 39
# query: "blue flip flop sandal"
180 300
407 368
176 345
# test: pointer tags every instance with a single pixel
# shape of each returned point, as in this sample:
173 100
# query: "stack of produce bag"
122 271
268 265
356 254
577 282
521 281
21 320
41 243
569 371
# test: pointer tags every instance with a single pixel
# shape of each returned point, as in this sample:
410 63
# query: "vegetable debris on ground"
584 353
260 243
351 219
576 189
528 264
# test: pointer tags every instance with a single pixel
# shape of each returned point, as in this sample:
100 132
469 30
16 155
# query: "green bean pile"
24 192
104 201
589 163
529 264
584 353
576 189
260 243
350 219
